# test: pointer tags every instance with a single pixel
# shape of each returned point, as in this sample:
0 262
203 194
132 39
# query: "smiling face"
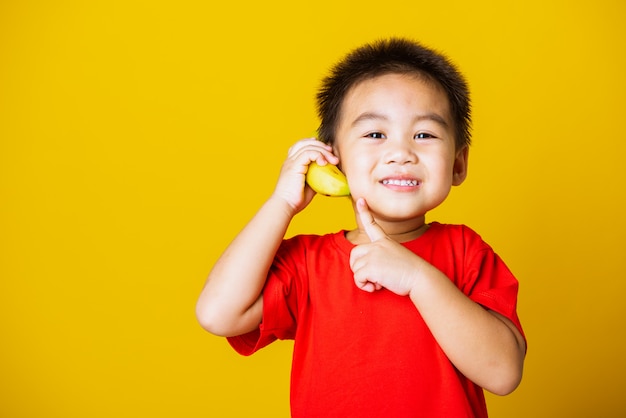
395 141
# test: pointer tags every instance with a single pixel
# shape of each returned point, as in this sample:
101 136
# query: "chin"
399 213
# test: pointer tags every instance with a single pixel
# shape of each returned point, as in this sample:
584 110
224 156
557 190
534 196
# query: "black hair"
398 56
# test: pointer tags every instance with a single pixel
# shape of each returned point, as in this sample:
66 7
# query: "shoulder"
306 240
314 244
456 234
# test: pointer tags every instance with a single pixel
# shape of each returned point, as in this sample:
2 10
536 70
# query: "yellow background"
137 137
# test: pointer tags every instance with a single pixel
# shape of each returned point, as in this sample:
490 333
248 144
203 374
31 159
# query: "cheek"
349 166
441 165
445 181
357 175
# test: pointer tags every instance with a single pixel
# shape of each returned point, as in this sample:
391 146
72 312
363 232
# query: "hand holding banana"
327 180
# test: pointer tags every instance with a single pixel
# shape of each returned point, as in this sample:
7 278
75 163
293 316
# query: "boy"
398 317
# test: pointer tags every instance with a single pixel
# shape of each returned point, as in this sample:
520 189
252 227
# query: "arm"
231 301
484 345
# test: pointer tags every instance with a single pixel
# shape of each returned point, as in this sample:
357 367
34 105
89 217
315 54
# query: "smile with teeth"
400 182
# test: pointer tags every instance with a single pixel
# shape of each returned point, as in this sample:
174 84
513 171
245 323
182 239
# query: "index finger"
373 230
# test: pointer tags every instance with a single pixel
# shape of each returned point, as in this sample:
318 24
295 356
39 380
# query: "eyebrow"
377 116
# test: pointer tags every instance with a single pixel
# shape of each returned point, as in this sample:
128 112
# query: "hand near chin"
383 262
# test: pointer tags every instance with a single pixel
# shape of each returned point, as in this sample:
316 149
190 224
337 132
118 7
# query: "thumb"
373 230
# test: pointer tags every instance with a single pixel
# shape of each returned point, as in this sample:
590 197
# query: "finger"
321 156
364 283
373 230
368 287
308 144
327 158
358 265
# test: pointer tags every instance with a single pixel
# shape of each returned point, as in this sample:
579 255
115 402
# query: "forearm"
230 302
483 345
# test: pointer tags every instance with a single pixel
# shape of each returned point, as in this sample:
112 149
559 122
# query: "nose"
399 152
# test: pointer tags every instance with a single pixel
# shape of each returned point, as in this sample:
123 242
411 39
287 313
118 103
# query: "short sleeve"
279 304
490 283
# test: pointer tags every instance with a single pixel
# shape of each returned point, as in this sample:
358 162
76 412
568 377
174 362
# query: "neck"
402 232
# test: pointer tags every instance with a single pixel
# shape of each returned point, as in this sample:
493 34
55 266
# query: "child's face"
395 141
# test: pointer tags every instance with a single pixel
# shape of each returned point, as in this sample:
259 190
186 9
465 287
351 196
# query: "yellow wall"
137 137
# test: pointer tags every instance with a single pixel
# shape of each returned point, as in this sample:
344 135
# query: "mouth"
401 182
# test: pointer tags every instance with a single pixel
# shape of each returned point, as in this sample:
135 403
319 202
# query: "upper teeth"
401 182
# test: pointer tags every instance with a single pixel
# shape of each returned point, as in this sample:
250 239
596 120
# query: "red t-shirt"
360 354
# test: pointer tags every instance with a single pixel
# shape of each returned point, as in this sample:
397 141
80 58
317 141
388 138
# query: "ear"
337 153
459 170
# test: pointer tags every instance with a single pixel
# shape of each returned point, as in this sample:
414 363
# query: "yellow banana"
327 180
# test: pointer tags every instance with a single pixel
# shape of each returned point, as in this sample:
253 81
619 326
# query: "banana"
327 180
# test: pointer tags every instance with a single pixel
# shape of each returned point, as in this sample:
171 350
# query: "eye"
424 135
375 135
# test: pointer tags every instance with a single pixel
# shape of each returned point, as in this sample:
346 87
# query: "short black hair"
393 56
